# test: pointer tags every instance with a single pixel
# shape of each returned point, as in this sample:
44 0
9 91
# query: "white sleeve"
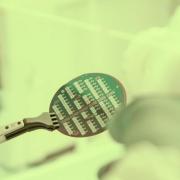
152 63
145 161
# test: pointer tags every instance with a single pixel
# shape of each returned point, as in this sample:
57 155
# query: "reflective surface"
85 104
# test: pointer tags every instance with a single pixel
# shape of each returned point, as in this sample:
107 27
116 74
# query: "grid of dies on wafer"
88 103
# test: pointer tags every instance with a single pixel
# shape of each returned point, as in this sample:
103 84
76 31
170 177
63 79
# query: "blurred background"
44 44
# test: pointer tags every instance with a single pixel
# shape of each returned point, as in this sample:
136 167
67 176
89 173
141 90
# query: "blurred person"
149 126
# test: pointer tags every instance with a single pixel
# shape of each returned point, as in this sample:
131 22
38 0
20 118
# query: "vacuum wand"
47 121
80 108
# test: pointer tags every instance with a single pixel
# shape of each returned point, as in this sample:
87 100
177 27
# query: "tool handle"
44 121
13 128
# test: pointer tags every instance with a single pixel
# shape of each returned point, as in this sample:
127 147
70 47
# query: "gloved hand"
149 128
154 119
